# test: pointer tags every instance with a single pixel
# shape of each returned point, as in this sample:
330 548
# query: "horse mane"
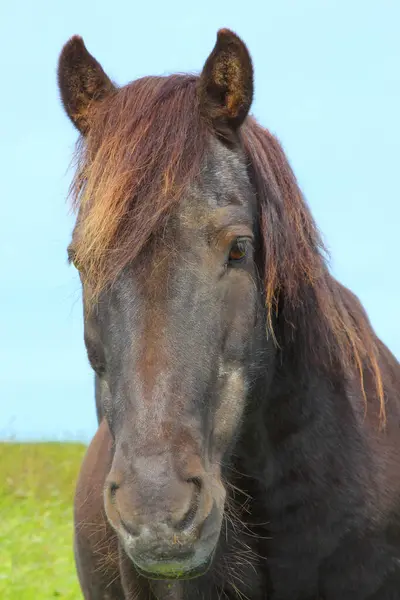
145 145
317 312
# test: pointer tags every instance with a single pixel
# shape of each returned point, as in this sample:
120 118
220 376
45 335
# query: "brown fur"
226 85
82 82
146 144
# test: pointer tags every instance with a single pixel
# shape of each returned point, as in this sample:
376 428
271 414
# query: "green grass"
37 484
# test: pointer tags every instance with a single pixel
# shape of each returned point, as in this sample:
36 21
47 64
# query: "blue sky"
327 81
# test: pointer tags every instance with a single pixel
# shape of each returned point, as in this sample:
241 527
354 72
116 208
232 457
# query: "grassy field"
36 489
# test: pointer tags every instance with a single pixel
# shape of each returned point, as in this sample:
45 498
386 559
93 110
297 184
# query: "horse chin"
162 570
178 569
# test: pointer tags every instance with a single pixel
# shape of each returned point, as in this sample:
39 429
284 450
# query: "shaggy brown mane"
314 305
146 143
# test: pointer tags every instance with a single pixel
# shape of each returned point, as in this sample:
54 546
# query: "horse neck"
301 428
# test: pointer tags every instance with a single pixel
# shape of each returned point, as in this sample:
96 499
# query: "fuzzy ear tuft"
226 84
81 81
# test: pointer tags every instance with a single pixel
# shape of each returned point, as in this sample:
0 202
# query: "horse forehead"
223 181
224 172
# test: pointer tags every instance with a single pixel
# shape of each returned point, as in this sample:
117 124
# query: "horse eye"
71 257
238 251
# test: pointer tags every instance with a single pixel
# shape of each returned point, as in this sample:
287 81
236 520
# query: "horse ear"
226 83
82 82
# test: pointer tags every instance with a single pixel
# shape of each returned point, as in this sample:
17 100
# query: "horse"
248 444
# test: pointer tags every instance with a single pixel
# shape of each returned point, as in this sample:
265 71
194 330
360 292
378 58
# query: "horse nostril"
197 482
189 517
112 490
